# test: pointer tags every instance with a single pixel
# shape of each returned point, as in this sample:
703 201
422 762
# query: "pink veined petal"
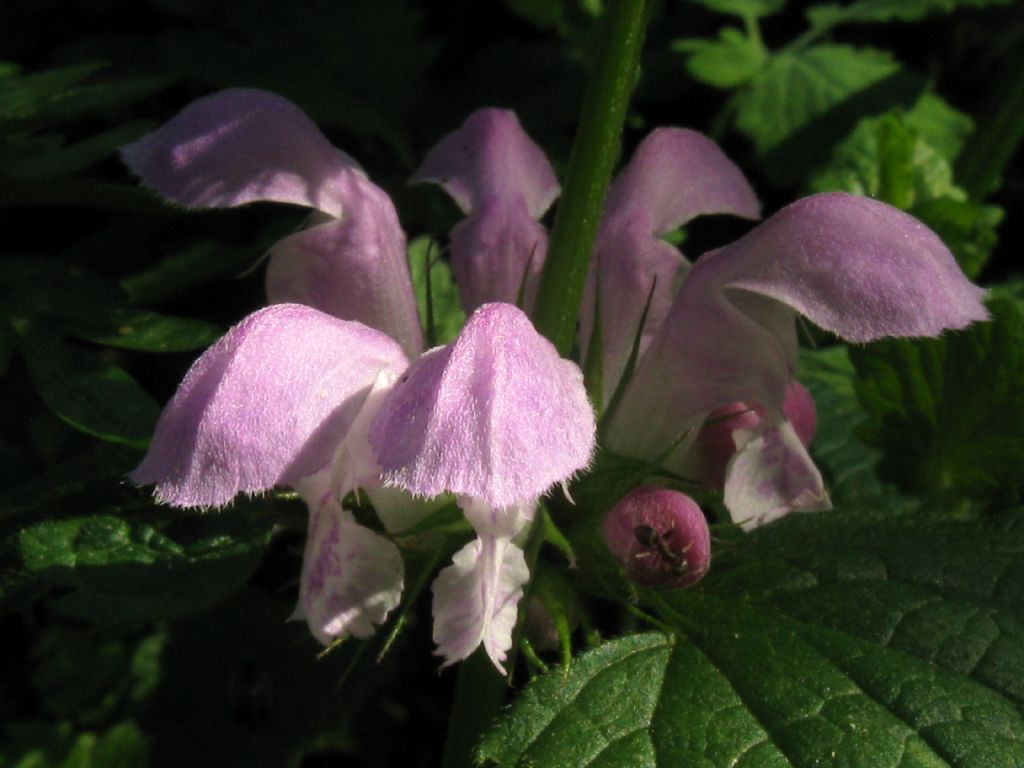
497 255
674 175
351 576
857 267
770 475
496 415
475 598
354 268
267 404
241 145
490 156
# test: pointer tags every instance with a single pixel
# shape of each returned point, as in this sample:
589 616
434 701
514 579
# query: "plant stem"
590 168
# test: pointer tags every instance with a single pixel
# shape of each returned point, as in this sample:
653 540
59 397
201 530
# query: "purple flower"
321 396
329 390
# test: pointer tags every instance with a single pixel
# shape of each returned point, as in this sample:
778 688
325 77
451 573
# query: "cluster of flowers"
329 390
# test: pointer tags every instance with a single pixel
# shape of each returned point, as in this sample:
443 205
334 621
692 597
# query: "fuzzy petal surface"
351 577
770 475
267 404
859 268
476 597
674 175
241 145
496 415
354 268
490 156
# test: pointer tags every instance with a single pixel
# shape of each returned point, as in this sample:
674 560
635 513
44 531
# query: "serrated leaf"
886 158
947 413
138 569
727 62
826 639
796 87
968 228
878 11
800 101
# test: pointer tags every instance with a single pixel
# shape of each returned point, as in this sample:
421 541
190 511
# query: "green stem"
590 169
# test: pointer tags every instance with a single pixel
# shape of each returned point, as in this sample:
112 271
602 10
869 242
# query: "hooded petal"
475 598
240 145
674 175
498 254
771 474
677 174
351 576
354 268
267 404
490 156
496 415
504 183
854 266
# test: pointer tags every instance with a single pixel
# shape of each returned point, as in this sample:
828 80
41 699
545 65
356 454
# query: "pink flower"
329 390
321 396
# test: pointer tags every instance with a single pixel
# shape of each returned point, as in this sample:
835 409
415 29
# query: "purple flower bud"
715 444
660 538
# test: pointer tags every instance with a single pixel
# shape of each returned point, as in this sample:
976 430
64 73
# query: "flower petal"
475 598
771 474
490 156
351 576
854 266
497 254
354 268
241 145
496 415
267 404
677 174
674 176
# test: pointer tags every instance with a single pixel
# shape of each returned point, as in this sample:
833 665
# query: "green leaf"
945 128
947 413
255 690
879 11
139 569
827 639
149 331
89 393
886 158
47 157
847 464
44 745
727 62
446 308
744 8
968 228
800 101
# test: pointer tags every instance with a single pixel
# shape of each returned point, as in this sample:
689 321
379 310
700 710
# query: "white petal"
351 576
475 600
771 474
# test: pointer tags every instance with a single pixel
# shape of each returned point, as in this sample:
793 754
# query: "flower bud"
715 444
659 537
